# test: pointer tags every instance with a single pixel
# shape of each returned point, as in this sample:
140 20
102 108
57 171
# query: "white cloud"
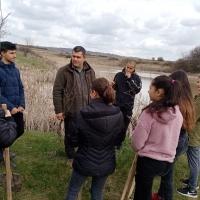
145 28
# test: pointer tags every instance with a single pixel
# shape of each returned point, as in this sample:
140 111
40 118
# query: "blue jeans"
169 177
193 155
147 169
76 182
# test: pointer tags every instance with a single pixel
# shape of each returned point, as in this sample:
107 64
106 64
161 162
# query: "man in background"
11 89
71 91
127 84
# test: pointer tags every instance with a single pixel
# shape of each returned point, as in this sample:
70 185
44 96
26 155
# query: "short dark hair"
79 49
5 46
132 62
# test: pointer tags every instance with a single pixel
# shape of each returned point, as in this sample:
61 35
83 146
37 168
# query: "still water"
142 99
147 78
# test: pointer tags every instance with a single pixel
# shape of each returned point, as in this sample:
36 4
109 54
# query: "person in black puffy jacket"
8 131
96 130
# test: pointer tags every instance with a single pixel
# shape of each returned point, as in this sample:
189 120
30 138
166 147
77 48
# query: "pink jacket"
155 137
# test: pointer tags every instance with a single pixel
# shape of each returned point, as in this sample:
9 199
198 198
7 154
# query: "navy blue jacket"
8 131
11 87
96 130
126 89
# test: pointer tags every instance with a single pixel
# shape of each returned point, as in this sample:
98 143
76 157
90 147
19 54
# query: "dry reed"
38 85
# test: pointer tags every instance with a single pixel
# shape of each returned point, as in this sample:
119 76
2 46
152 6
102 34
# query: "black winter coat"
96 130
8 132
126 89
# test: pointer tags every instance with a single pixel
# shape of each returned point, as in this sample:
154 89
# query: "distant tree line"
190 62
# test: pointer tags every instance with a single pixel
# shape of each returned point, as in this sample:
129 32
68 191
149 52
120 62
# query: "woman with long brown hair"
186 106
156 135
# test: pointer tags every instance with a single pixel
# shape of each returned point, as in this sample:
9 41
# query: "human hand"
60 116
7 113
20 109
14 111
112 83
128 74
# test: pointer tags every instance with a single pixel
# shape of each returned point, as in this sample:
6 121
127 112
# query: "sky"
132 28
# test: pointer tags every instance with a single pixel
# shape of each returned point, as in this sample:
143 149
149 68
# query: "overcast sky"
138 28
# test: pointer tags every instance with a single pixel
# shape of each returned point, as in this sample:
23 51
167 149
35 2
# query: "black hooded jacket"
8 132
96 130
126 89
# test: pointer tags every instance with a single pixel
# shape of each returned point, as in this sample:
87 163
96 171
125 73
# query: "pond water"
147 78
142 98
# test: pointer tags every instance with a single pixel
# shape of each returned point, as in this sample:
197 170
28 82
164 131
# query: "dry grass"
38 72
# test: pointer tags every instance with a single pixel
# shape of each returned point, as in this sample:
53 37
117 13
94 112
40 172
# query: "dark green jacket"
65 89
194 136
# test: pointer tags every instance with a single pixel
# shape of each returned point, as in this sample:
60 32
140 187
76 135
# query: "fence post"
130 182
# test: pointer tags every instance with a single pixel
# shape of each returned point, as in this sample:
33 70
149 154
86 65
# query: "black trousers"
70 151
126 113
146 170
19 120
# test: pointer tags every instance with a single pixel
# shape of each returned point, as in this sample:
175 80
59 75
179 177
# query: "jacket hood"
167 116
100 116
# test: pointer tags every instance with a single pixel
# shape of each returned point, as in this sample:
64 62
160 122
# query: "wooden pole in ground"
7 163
130 182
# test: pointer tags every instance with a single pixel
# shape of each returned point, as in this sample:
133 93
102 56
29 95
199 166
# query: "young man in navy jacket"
11 88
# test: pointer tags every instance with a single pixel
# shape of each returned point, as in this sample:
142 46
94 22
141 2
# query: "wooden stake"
7 163
130 182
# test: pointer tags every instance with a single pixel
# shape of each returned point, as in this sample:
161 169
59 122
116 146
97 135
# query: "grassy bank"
41 161
40 158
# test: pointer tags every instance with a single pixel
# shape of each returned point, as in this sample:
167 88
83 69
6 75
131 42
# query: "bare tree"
27 47
190 61
3 30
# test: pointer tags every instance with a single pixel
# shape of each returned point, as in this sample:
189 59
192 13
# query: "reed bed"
38 71
38 85
39 113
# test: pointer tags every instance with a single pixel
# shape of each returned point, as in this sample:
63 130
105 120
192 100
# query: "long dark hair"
186 103
173 91
105 91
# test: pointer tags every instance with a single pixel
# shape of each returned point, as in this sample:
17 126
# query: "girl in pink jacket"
156 135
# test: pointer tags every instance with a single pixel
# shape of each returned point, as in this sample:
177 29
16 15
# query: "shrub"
190 62
113 59
25 50
160 59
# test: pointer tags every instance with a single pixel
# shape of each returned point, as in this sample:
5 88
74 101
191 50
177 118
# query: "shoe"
156 197
13 165
12 155
186 182
187 192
